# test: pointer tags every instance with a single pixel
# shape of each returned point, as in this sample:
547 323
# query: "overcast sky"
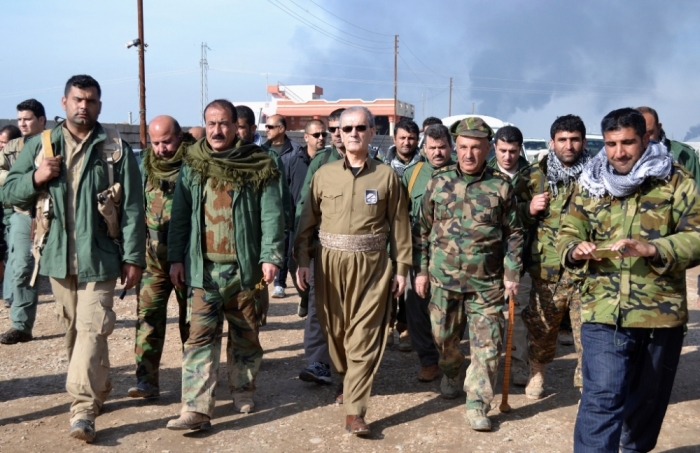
523 61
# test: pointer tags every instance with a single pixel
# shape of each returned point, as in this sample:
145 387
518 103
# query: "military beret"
471 127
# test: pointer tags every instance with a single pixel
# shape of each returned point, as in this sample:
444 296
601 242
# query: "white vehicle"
594 143
534 147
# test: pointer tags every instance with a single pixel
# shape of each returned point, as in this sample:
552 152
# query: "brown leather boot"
339 394
355 424
429 373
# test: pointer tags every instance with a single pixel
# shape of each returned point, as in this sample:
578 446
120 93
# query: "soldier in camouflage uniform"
632 230
161 163
226 238
543 191
470 242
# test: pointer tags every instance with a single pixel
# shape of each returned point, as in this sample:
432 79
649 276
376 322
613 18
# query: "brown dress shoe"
429 373
339 394
355 424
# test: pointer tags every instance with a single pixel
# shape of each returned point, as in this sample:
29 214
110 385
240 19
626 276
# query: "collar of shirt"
474 177
369 164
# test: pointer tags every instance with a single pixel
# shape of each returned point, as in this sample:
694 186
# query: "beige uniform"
355 214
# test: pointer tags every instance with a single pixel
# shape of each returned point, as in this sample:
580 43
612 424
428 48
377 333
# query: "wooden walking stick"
505 407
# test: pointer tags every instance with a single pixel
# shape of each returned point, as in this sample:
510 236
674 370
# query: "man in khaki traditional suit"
357 204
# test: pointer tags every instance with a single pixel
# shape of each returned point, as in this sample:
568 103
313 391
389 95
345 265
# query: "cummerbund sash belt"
353 242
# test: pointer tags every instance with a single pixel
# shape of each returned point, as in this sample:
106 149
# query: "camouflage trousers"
449 311
548 304
221 297
152 316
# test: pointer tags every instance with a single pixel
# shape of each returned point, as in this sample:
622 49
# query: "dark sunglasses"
271 126
319 134
332 129
359 127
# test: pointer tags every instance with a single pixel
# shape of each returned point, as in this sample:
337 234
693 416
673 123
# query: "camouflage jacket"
468 225
541 259
636 292
158 202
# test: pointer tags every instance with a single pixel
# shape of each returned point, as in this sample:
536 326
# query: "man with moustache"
469 254
17 289
543 191
401 155
80 256
438 149
161 162
635 201
225 240
277 140
357 205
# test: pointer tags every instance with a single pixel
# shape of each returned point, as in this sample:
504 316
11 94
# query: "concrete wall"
130 133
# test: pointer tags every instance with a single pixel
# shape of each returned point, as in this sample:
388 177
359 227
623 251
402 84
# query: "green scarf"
165 169
243 165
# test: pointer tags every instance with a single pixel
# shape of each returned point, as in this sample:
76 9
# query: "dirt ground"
294 416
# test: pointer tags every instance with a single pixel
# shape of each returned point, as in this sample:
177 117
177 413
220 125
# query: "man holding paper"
635 203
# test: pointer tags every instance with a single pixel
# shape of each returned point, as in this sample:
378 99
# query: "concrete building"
302 103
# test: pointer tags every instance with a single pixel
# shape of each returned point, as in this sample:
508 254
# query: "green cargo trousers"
152 315
221 297
449 311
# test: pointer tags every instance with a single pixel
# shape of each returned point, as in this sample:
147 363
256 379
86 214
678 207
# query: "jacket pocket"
487 210
331 200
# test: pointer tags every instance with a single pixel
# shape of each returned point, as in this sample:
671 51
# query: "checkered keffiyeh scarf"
599 177
556 172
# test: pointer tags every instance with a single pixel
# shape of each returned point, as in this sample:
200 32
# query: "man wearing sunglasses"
315 345
277 140
358 206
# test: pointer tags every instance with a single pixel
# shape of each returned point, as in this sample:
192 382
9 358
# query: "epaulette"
445 169
499 174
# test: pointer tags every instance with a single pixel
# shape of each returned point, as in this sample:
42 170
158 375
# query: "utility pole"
473 108
392 123
449 110
422 102
142 78
204 89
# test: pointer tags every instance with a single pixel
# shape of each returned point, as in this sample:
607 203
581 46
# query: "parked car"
594 143
534 146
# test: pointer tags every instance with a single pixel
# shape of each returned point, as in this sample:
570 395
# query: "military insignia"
371 196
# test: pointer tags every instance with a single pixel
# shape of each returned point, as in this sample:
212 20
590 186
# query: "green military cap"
471 127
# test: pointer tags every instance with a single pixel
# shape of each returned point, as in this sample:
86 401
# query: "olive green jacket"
258 229
321 157
636 292
99 257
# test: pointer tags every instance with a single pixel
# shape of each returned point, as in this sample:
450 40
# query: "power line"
289 12
333 26
421 62
350 23
409 68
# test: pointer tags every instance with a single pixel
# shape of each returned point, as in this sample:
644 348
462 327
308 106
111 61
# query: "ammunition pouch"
43 214
109 207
